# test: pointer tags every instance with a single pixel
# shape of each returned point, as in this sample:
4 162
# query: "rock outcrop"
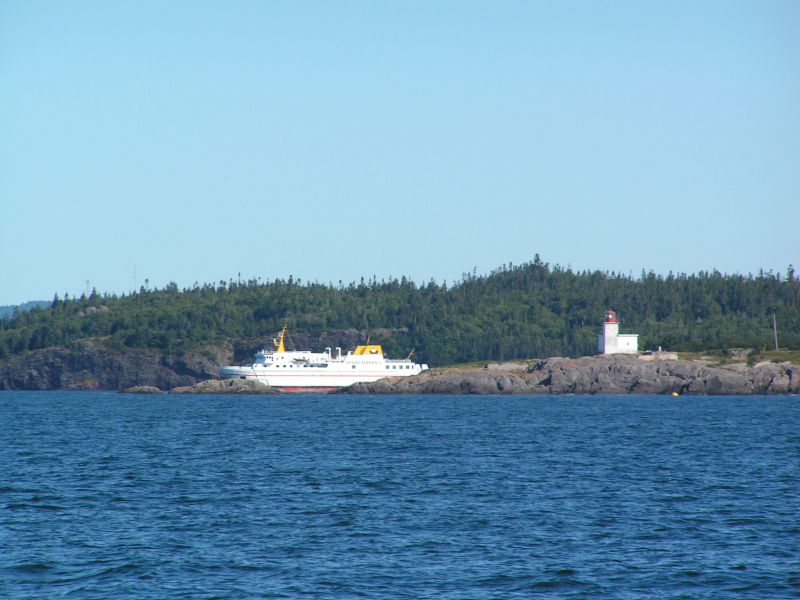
617 374
91 365
225 386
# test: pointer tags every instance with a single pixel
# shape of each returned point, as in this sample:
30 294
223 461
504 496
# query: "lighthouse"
611 341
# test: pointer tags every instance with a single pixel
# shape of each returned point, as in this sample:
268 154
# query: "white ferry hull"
320 371
292 381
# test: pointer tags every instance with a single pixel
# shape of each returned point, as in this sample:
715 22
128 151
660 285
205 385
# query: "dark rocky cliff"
90 365
597 375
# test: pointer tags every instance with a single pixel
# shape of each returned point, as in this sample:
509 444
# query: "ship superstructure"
303 370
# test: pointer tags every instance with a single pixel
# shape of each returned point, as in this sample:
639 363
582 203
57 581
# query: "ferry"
306 371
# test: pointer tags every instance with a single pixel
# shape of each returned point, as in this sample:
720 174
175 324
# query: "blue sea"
106 495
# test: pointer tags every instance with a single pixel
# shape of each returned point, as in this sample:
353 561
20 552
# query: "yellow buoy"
675 394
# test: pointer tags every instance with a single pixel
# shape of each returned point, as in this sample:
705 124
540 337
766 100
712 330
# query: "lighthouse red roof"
610 317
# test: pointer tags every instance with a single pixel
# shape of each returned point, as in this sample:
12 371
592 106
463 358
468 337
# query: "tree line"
516 311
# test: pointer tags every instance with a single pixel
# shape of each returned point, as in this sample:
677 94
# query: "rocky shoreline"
616 374
225 386
91 366
560 376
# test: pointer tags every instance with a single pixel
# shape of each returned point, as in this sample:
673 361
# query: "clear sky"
195 141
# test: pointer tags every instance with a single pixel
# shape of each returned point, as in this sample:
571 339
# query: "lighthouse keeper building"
611 341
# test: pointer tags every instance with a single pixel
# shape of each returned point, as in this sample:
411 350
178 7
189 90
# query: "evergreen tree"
517 311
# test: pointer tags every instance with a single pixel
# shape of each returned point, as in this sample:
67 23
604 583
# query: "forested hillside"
530 310
8 311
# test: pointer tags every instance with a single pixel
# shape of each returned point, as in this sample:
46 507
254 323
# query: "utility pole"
775 330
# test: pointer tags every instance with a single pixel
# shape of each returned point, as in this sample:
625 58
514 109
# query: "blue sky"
196 141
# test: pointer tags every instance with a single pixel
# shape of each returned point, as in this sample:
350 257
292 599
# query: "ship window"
354 366
387 366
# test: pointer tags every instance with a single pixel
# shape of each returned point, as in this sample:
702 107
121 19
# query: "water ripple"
408 497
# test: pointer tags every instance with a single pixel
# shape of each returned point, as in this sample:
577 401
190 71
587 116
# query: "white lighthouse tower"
611 341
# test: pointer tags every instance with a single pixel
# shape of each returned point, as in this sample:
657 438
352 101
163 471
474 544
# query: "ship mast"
279 342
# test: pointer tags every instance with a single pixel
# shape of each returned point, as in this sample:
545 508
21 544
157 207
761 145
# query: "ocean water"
450 497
